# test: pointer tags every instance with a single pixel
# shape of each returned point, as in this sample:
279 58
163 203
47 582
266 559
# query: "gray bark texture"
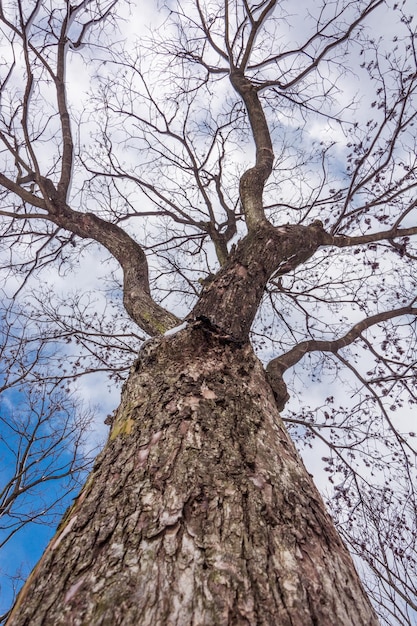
199 510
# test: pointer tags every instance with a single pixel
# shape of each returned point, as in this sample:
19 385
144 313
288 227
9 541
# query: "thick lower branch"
279 365
139 304
343 241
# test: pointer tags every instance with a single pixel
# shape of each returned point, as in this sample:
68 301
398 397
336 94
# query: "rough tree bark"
199 509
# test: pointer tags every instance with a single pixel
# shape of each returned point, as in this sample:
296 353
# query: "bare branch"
283 362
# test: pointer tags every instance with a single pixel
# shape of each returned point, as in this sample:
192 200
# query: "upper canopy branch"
256 25
315 59
252 182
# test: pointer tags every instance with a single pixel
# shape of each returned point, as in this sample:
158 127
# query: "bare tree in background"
44 453
244 202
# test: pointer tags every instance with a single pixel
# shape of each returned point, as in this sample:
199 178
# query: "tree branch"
280 364
343 241
139 304
141 307
322 55
252 182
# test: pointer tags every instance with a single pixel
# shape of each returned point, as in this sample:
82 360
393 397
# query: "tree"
199 508
44 455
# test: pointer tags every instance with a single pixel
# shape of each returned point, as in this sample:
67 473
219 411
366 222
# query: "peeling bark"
198 511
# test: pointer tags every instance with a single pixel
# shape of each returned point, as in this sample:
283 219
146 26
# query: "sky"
93 273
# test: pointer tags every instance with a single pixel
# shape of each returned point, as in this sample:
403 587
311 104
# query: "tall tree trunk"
198 511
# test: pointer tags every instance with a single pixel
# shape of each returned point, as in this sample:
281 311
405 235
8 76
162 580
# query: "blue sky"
38 436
